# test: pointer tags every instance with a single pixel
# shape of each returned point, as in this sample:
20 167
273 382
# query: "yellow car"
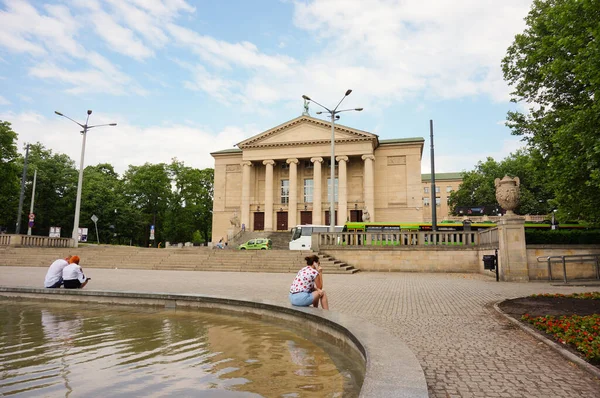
256 244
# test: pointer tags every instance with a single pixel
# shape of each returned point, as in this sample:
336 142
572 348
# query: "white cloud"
127 144
4 101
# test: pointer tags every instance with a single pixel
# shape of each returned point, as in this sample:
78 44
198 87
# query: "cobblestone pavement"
465 348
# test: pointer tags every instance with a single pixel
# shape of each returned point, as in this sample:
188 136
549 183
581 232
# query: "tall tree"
55 190
190 208
102 195
148 191
9 175
478 189
553 67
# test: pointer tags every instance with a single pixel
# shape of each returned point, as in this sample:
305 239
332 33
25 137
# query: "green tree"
478 188
190 208
9 175
55 191
553 67
102 195
148 191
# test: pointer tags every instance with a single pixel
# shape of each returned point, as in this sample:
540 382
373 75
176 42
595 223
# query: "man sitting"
54 275
73 277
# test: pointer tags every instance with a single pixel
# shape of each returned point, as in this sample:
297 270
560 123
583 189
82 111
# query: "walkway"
464 347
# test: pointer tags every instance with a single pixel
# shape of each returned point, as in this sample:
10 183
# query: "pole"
32 198
332 188
22 194
433 202
97 236
75 235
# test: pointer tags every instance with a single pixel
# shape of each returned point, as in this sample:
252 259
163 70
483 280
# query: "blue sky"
184 78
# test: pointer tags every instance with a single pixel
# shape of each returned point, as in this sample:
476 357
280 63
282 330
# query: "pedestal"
512 250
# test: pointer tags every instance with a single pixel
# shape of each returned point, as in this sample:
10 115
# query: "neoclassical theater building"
280 178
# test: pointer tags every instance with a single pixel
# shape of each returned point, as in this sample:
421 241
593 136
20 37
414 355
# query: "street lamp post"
333 115
86 127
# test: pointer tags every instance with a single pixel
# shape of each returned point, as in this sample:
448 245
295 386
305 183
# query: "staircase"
189 258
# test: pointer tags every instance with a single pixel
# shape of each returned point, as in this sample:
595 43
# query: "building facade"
281 178
445 184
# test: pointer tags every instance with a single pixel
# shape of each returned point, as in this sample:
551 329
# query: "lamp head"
58 113
113 124
89 111
319 112
337 117
358 109
348 92
306 97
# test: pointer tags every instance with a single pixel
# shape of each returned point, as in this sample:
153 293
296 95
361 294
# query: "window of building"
438 202
308 190
285 166
426 189
425 201
437 189
285 191
308 164
335 189
449 188
328 163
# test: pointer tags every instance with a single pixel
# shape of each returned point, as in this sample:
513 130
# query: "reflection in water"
92 350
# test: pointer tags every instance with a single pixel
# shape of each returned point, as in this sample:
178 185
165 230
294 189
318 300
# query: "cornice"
255 141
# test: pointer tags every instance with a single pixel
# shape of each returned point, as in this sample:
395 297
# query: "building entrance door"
259 221
327 217
356 215
282 221
305 217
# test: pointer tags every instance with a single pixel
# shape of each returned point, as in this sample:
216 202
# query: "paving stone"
464 347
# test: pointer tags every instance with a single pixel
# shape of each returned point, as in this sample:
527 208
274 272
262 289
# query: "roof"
225 151
443 176
401 140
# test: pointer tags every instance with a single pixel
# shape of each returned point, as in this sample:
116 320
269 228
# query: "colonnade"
342 202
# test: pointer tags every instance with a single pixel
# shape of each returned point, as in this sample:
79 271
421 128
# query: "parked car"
257 244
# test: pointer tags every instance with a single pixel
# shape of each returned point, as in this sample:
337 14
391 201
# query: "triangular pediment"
306 130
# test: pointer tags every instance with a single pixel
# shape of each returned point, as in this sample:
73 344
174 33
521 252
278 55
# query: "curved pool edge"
391 368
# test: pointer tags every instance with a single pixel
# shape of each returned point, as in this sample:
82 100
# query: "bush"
562 237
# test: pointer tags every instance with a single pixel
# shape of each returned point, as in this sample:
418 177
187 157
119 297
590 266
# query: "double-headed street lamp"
334 115
85 127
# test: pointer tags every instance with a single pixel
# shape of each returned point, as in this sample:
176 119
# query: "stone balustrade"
408 238
34 241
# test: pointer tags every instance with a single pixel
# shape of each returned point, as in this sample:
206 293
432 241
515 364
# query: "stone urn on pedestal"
507 193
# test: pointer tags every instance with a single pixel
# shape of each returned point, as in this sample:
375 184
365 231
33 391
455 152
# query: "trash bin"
489 262
467 225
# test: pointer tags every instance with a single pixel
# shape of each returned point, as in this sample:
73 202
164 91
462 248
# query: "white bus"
301 235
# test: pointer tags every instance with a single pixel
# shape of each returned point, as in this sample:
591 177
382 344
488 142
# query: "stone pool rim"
391 368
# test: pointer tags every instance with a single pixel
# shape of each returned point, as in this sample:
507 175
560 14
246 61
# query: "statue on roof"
305 113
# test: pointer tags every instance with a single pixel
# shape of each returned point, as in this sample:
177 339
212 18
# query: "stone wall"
415 259
574 270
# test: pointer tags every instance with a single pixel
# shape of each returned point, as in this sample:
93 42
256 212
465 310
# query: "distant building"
445 184
280 178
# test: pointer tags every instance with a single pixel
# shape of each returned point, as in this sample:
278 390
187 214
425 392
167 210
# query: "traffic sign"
31 216
94 218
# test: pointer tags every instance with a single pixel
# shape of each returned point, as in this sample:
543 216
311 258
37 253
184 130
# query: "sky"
184 78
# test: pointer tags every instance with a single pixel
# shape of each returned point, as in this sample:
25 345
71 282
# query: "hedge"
562 237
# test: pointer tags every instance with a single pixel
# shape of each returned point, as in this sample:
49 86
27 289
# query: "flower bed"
579 332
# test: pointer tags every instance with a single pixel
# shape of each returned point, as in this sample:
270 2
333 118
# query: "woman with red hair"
73 276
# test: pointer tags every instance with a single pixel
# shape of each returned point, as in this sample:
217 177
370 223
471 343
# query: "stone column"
512 251
316 213
245 210
369 185
269 194
293 205
342 190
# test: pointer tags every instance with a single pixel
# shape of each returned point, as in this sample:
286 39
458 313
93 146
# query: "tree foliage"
553 67
478 189
9 175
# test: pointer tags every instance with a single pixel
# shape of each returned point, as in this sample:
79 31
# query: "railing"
34 241
576 258
5 240
489 237
408 238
